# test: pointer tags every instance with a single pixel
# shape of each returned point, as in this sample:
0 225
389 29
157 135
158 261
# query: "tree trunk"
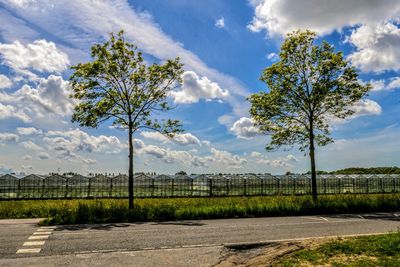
130 173
313 171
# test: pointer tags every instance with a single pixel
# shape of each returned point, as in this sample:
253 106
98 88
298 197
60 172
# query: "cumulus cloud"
173 156
366 107
5 82
181 139
74 140
195 88
9 111
96 19
226 158
382 85
279 17
41 56
8 137
28 131
280 162
220 23
378 47
31 146
50 95
244 128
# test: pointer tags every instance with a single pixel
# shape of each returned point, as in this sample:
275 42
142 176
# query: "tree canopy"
118 86
309 86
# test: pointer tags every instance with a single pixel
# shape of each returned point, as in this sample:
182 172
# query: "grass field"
116 210
382 250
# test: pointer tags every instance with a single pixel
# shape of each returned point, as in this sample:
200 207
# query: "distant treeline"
374 170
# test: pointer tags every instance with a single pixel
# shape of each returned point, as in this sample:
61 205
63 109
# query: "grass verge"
116 210
381 250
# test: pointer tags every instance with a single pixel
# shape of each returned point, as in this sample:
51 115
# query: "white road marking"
34 243
38 237
42 233
44 230
48 227
325 219
28 250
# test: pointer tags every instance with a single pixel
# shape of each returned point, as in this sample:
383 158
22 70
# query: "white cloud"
244 128
382 85
75 140
99 18
13 28
40 56
378 47
174 156
377 85
31 146
50 95
43 155
195 88
27 157
8 137
279 17
226 158
8 111
186 139
220 23
181 139
273 56
5 82
366 107
280 162
28 131
394 83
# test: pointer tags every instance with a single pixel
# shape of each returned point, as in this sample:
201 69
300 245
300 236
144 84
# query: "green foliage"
310 85
116 210
380 250
374 170
117 85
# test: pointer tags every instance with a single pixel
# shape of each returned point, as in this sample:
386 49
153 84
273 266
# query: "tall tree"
118 86
309 86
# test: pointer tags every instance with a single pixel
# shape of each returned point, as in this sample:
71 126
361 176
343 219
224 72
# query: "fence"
78 186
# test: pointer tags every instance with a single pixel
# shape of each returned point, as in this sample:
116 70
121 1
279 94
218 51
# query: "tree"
309 86
118 86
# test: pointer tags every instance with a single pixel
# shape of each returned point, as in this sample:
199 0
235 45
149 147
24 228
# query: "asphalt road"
184 243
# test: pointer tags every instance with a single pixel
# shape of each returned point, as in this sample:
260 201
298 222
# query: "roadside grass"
161 209
380 250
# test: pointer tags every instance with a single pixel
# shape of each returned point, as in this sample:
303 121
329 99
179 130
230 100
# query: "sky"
224 45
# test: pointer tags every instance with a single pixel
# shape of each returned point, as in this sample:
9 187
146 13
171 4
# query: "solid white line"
38 237
34 243
28 250
42 233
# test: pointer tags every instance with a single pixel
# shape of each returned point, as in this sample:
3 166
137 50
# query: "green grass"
381 250
116 210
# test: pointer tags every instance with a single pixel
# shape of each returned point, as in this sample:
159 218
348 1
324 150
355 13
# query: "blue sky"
224 45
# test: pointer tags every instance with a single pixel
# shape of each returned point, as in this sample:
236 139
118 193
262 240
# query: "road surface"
183 243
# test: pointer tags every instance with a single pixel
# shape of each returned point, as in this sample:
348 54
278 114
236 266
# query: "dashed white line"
38 237
28 250
43 230
33 243
42 233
